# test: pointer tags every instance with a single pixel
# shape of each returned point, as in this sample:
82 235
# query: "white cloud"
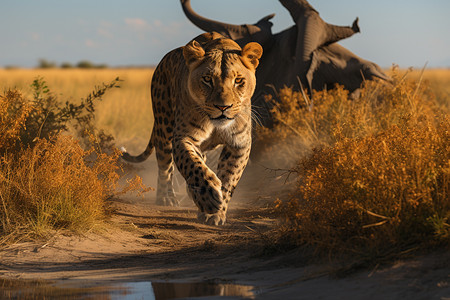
155 27
90 43
104 32
174 28
106 24
157 23
136 23
35 36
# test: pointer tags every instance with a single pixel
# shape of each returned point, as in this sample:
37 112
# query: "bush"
45 64
66 65
14 111
375 176
300 124
48 179
52 186
47 116
375 192
85 64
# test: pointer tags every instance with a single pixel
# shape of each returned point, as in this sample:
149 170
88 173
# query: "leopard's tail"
141 157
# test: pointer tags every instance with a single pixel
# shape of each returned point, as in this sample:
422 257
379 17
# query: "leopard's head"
221 78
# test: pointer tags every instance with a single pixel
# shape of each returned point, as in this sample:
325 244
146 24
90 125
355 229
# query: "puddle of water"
26 289
37 289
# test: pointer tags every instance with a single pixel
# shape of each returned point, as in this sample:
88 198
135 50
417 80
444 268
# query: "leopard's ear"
193 52
250 55
206 37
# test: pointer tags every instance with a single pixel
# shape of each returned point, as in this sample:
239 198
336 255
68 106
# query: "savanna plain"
344 197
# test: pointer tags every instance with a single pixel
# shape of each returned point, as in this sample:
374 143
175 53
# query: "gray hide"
306 51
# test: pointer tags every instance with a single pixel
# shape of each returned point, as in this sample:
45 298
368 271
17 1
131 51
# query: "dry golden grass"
373 173
50 186
48 180
14 111
125 113
438 81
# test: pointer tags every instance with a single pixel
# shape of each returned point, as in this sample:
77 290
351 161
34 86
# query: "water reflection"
26 289
170 290
39 289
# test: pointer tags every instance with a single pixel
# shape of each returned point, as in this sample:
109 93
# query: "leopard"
201 99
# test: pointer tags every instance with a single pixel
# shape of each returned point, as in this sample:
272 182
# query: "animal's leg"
163 129
232 163
203 185
165 194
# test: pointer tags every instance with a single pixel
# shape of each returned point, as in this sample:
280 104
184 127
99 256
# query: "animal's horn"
298 8
240 33
229 30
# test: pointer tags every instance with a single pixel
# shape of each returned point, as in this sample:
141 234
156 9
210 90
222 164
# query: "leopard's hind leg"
163 133
165 194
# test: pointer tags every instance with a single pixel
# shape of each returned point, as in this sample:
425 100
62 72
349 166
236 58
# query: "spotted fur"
201 99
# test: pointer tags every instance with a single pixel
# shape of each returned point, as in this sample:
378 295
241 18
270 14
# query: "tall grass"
373 172
126 113
50 180
50 186
438 82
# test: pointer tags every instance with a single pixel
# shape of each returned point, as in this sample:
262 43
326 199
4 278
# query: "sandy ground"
144 242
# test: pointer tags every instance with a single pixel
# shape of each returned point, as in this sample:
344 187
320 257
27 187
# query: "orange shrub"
376 173
381 190
48 181
51 186
14 110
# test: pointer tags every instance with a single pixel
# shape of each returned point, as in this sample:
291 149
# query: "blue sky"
140 32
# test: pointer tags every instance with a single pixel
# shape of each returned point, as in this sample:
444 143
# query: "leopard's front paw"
216 219
213 199
208 195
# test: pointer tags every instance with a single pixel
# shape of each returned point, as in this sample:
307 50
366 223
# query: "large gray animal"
306 52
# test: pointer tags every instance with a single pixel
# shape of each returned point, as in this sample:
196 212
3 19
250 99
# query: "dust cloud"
266 178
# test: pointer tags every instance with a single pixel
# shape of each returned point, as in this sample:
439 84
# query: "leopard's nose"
223 108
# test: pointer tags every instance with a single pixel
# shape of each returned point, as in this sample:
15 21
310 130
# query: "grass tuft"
52 186
373 172
50 180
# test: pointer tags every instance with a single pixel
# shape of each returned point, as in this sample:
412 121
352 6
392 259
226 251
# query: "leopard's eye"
207 80
239 80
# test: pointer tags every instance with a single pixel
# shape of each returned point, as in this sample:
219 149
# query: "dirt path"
143 238
152 243
144 242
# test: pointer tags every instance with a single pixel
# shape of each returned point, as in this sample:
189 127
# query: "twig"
286 172
376 215
420 80
375 224
305 97
290 127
